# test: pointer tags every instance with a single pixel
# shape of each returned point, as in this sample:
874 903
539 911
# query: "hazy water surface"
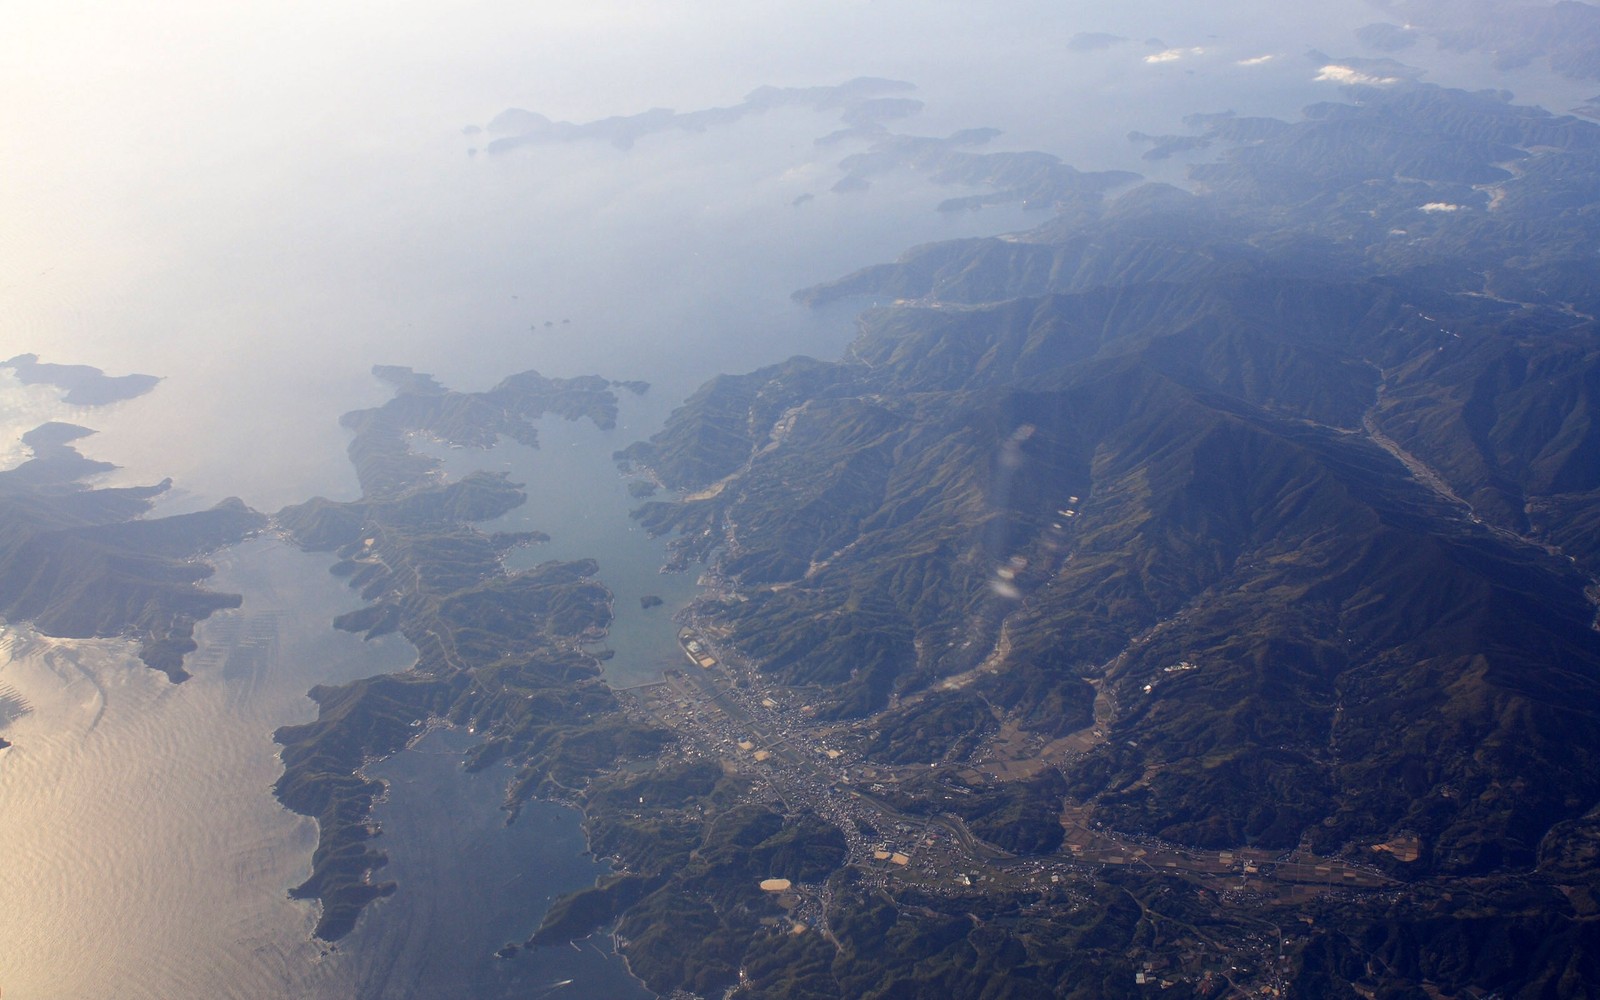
145 855
259 203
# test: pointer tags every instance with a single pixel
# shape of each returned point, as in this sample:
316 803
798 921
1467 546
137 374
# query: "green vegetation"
1278 498
586 911
1022 817
81 563
709 915
501 653
955 723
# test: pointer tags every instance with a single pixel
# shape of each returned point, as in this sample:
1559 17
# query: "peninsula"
505 655
79 562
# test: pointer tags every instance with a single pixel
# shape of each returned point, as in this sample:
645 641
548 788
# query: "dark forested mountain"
1259 518
84 563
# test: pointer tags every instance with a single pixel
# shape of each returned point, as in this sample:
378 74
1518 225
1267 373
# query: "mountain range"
1260 516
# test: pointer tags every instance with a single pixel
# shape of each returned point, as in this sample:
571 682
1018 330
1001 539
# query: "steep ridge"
1280 541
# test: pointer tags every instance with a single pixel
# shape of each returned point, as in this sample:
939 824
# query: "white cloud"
1440 206
1334 73
1256 60
1173 55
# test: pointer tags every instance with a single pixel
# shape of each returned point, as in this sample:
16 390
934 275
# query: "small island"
83 385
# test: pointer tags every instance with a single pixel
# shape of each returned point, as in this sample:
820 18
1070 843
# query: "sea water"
469 884
145 856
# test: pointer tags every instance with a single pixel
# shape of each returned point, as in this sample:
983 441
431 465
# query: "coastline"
507 655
